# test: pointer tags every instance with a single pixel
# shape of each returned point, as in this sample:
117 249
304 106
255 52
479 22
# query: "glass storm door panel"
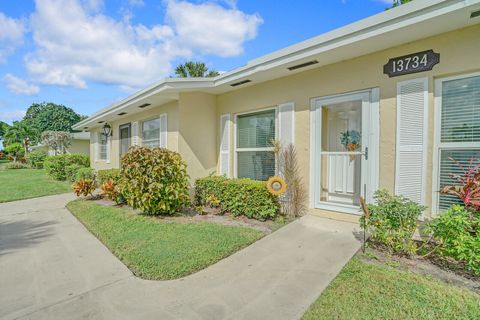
125 138
341 146
341 152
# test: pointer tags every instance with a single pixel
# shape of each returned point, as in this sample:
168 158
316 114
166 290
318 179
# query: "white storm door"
341 139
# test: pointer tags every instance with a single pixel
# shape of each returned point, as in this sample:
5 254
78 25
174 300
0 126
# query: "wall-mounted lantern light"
107 130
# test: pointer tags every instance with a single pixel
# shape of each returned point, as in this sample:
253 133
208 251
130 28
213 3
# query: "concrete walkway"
51 267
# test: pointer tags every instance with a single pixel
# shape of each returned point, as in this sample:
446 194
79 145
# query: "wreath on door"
351 140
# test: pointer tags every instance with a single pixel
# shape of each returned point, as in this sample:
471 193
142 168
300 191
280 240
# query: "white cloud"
20 86
11 35
75 45
210 28
136 3
10 116
93 5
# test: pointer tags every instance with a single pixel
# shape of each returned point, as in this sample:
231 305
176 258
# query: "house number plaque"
412 63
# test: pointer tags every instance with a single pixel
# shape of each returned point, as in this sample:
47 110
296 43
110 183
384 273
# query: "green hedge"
237 196
85 174
71 172
36 158
56 166
108 174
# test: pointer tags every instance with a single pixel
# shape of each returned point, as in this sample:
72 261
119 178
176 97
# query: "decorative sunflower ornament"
276 186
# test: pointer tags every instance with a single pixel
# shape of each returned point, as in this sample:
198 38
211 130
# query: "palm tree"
194 69
19 132
397 3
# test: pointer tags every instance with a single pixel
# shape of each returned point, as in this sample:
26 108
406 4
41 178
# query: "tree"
194 69
15 150
50 116
3 128
58 141
397 3
21 133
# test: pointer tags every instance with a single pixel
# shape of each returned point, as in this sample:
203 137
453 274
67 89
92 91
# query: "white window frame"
437 144
107 148
159 129
236 149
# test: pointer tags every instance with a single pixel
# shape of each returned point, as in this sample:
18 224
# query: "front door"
341 142
125 138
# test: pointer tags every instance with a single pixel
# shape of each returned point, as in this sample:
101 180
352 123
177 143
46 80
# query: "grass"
18 184
157 249
366 291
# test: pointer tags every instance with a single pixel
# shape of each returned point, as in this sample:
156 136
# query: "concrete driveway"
51 267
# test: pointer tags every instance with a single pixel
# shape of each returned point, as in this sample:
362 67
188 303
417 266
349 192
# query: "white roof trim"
406 15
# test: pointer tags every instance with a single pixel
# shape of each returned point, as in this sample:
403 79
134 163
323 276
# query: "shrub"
56 165
3 156
85 173
84 187
15 151
237 196
392 222
108 174
154 180
36 158
110 190
16 165
468 187
71 172
457 235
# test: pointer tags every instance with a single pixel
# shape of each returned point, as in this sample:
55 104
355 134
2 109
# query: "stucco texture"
459 52
194 120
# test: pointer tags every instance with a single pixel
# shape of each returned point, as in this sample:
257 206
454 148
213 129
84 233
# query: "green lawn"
366 291
156 249
17 184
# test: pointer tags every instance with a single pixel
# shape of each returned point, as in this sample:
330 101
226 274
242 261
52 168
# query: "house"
381 103
79 143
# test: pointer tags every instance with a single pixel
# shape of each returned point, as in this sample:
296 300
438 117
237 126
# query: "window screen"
151 133
459 132
255 156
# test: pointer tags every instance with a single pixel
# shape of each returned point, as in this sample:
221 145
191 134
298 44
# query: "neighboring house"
356 129
80 143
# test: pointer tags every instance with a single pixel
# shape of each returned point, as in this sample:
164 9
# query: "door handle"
365 153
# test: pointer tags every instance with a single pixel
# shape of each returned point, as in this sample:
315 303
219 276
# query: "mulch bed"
444 269
209 215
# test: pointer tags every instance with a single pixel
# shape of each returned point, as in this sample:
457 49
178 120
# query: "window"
151 133
255 155
102 146
459 136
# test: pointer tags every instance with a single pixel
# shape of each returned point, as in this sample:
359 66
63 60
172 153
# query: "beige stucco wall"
79 146
191 132
460 53
198 132
154 111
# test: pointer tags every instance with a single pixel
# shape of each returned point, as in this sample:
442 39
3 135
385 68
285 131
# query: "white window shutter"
109 145
135 133
95 145
225 145
286 123
163 130
412 116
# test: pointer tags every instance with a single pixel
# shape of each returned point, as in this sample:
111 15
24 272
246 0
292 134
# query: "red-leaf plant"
468 188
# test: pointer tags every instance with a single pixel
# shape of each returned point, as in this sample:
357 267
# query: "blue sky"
86 54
